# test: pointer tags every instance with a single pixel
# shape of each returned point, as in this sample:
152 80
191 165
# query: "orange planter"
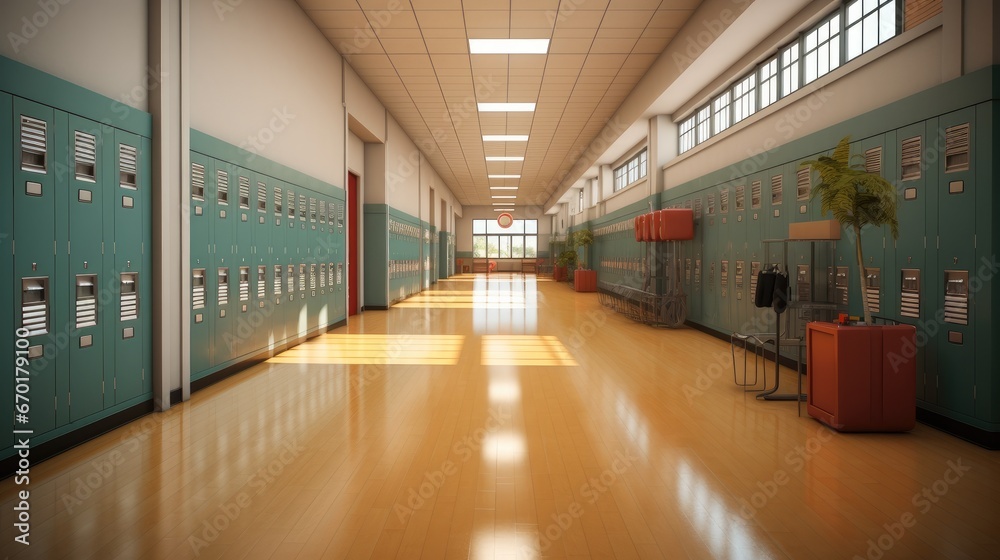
585 280
559 273
862 379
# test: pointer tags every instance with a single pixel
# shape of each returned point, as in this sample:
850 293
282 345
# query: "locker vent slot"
687 270
302 207
312 210
697 271
697 208
223 286
910 160
279 208
803 186
873 160
754 271
322 211
244 193
741 202
711 204
322 275
803 287
724 201
340 215
261 282
86 300
244 283
312 277
35 305
222 181
302 277
127 166
291 205
261 198
842 285
340 272
909 297
198 288
739 275
873 286
755 195
197 181
34 144
776 182
687 204
956 148
291 278
277 280
85 156
956 297
129 296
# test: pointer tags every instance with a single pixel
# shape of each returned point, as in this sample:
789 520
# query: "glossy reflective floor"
505 418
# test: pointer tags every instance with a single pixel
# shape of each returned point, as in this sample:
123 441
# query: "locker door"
957 260
739 304
223 274
339 260
711 260
277 254
130 195
776 215
202 225
89 308
756 257
696 300
7 337
263 306
433 257
727 262
313 300
873 240
244 218
34 297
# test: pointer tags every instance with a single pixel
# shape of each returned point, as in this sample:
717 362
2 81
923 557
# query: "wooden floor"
504 418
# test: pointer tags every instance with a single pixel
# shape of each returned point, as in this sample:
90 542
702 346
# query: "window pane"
853 41
517 246
887 22
531 226
478 226
504 246
492 247
531 246
479 246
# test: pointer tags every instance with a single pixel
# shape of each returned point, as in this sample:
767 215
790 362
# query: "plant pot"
585 280
862 378
559 273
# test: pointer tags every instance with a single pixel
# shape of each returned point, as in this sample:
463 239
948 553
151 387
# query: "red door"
352 244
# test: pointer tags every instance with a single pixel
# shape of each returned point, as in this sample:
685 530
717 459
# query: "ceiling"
414 55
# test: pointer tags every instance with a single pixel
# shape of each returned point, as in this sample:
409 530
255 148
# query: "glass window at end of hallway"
630 171
520 240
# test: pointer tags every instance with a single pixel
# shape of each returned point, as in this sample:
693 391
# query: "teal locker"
131 197
775 211
243 262
7 338
443 269
203 194
987 392
756 256
223 276
277 256
432 269
711 261
957 260
887 279
425 257
918 188
696 299
263 306
727 262
89 181
339 261
34 296
803 280
314 302
300 272
61 327
739 299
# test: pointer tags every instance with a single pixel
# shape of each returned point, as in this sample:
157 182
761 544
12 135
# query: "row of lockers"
78 269
927 277
409 255
267 262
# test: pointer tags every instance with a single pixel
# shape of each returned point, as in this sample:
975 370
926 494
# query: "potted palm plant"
584 280
847 364
856 198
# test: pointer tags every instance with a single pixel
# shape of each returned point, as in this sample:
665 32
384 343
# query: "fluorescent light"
508 46
503 209
504 203
504 158
503 188
503 196
506 107
505 137
504 176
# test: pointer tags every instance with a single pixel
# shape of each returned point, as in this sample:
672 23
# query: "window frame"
504 238
631 171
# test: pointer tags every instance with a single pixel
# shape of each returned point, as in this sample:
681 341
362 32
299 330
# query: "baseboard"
767 354
65 442
375 308
961 430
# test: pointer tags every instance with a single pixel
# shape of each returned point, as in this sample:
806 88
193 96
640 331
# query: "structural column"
662 147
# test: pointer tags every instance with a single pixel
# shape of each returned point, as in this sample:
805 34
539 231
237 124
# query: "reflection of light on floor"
634 423
375 349
504 391
503 448
707 512
524 350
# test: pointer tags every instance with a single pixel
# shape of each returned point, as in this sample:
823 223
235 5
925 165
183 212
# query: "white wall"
97 44
635 193
363 105
402 170
845 93
264 78
355 154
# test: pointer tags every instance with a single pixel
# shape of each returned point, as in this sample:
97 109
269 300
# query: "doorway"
353 262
